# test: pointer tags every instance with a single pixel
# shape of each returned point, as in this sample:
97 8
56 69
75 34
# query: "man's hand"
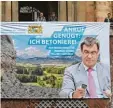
108 93
78 93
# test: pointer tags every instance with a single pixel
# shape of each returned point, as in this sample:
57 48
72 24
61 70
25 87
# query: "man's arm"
107 80
105 20
68 86
107 91
69 89
44 19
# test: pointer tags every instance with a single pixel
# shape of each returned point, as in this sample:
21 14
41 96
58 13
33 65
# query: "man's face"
109 15
41 14
53 14
90 55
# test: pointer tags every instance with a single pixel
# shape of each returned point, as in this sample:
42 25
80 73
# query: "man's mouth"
89 60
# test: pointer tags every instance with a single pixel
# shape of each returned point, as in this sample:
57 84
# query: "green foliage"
33 78
55 70
25 71
27 78
44 76
37 71
53 79
38 78
50 80
41 83
19 69
59 83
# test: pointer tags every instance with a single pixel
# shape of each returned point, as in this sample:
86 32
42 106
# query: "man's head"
109 15
90 51
53 14
41 14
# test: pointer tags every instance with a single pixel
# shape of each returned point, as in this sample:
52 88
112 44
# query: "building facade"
78 11
90 11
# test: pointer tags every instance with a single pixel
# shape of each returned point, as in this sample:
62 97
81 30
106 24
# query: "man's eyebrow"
90 51
86 50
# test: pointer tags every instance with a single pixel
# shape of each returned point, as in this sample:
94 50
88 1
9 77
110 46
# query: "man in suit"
41 17
90 73
108 18
53 17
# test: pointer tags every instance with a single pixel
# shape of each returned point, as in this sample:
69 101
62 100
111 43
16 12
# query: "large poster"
47 57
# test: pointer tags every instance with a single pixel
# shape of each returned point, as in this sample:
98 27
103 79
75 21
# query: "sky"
23 49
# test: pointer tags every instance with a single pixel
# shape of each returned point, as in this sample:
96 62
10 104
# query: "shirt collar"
86 68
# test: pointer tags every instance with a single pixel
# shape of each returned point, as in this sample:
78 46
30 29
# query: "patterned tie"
92 87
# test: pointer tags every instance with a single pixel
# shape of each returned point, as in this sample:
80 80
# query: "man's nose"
89 55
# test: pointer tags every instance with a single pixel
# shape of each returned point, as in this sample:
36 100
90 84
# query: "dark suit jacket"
108 20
